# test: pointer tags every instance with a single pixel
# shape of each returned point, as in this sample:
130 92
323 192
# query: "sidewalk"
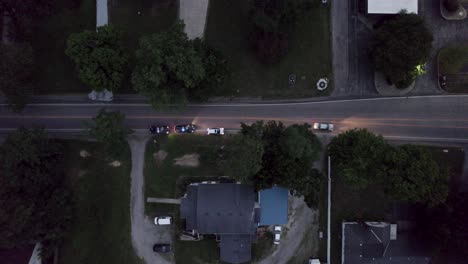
194 13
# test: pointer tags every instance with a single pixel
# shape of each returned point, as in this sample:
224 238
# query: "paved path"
162 200
303 223
144 233
194 13
101 13
339 31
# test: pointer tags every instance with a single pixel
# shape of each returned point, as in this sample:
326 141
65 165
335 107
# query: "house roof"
222 208
273 206
226 209
236 248
391 6
364 244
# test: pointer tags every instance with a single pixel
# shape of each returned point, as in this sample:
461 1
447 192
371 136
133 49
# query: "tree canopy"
406 173
357 155
108 128
16 68
34 199
242 158
287 157
414 176
99 57
400 45
171 69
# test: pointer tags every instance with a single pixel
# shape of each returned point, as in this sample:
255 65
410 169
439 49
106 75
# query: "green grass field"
309 53
100 232
55 72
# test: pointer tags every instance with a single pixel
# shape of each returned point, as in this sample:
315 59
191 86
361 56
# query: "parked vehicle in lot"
162 248
277 232
188 128
163 220
159 129
215 131
324 126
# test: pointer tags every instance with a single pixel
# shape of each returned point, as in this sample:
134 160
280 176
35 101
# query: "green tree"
242 158
16 81
34 199
413 175
167 67
216 71
357 155
308 186
99 57
108 128
400 45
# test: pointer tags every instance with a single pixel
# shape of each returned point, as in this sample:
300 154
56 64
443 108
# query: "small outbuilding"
391 6
273 206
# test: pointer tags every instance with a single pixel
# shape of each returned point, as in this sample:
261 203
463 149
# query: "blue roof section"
273 206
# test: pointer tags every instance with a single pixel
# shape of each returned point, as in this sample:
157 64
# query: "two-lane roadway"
436 118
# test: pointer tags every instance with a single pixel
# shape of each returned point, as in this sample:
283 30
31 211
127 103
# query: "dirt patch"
84 154
115 163
159 156
189 160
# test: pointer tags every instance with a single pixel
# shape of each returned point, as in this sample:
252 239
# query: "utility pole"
329 211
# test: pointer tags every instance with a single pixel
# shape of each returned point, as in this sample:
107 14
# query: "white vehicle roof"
162 220
391 6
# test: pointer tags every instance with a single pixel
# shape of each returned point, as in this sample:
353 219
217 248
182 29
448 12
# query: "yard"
100 232
453 63
55 73
309 56
165 179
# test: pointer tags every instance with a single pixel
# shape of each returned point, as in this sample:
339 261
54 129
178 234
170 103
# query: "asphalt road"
432 118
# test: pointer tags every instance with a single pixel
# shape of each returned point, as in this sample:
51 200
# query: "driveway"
299 237
144 233
194 14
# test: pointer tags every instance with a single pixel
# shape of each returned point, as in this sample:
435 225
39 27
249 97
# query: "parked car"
162 248
277 233
323 126
188 128
163 220
215 131
159 130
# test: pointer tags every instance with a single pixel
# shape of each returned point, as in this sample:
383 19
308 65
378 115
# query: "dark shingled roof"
225 209
369 244
236 248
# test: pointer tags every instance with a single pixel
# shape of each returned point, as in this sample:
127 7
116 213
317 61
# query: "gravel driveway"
144 233
301 231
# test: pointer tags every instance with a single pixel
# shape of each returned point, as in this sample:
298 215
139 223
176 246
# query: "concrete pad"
194 14
101 13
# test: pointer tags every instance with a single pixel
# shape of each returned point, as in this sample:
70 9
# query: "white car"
215 131
163 220
277 235
324 126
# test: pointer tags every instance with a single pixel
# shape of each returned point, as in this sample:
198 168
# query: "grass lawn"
309 53
101 226
55 72
197 252
154 17
453 63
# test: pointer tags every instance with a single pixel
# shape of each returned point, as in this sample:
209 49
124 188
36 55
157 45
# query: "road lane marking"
256 104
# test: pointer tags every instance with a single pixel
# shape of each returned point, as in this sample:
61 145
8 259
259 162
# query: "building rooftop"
391 6
376 243
273 206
